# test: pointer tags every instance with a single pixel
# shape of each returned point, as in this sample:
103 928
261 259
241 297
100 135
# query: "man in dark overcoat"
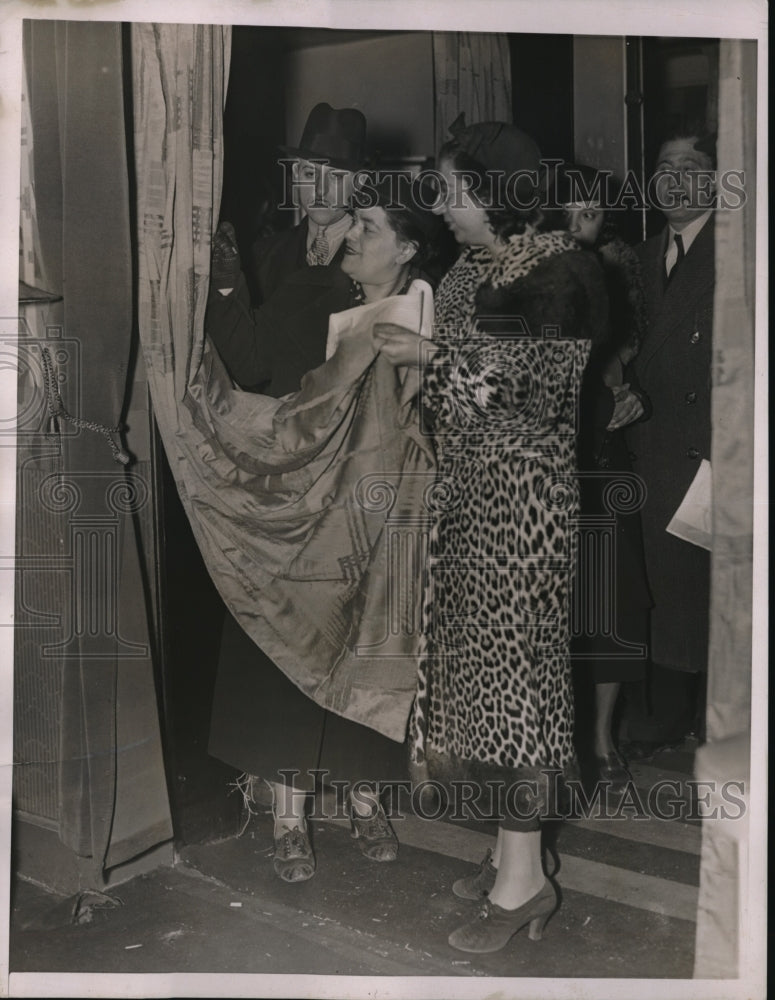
674 368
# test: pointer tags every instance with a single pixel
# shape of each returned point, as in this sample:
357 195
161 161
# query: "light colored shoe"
293 857
374 834
493 926
477 885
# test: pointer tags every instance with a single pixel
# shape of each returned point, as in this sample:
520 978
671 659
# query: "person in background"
494 700
331 149
616 605
674 368
261 723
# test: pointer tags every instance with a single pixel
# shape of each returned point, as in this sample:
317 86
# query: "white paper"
692 521
413 311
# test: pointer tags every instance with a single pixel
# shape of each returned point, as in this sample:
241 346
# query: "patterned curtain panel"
472 73
83 650
180 77
725 756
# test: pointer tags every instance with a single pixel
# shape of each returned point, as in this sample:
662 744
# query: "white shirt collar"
689 233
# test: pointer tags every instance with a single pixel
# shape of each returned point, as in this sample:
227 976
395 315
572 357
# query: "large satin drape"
91 653
287 498
472 74
725 755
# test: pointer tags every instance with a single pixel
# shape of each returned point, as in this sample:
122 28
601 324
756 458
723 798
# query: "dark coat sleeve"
239 336
565 294
276 257
271 348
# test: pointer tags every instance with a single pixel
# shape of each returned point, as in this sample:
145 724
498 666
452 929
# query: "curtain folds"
725 755
287 498
472 73
112 798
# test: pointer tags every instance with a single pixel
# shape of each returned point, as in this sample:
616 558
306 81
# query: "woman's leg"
294 860
521 896
289 807
606 695
520 872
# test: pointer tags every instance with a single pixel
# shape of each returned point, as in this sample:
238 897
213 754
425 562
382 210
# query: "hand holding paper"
413 312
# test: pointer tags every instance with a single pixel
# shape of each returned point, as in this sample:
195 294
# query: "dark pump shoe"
645 750
612 770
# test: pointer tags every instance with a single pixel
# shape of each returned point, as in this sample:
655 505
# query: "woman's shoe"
293 857
374 834
493 926
613 770
478 885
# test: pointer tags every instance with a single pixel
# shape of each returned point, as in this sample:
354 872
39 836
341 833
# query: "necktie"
319 251
675 255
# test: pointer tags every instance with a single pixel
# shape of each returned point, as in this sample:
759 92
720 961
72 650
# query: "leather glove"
225 266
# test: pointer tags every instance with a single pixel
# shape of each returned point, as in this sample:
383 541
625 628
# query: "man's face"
684 181
322 191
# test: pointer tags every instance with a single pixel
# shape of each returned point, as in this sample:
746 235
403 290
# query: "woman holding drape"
262 723
515 319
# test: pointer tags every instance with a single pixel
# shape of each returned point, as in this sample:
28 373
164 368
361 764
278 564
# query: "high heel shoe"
612 770
293 857
493 926
479 884
374 834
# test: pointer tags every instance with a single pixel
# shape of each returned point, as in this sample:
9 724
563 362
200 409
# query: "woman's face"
461 211
584 223
373 254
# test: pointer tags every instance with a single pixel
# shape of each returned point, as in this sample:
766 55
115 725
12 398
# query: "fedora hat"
337 135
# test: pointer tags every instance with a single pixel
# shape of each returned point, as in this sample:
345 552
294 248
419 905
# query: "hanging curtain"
472 73
287 498
78 511
725 755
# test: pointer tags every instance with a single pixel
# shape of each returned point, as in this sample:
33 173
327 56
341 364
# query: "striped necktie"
319 251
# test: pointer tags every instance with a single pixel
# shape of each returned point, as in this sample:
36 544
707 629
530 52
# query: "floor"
628 888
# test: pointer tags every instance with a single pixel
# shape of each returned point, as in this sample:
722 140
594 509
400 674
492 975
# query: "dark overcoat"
674 368
274 258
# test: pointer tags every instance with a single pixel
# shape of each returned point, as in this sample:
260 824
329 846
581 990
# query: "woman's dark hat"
497 145
337 135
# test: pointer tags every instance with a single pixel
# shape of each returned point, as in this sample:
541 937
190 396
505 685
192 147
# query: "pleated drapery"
287 498
77 503
472 74
725 756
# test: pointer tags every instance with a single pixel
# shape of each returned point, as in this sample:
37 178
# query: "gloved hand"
225 265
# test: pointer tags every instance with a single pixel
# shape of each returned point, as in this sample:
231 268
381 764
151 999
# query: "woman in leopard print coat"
516 318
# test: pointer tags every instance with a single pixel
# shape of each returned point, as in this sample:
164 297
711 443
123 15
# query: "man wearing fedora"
331 150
